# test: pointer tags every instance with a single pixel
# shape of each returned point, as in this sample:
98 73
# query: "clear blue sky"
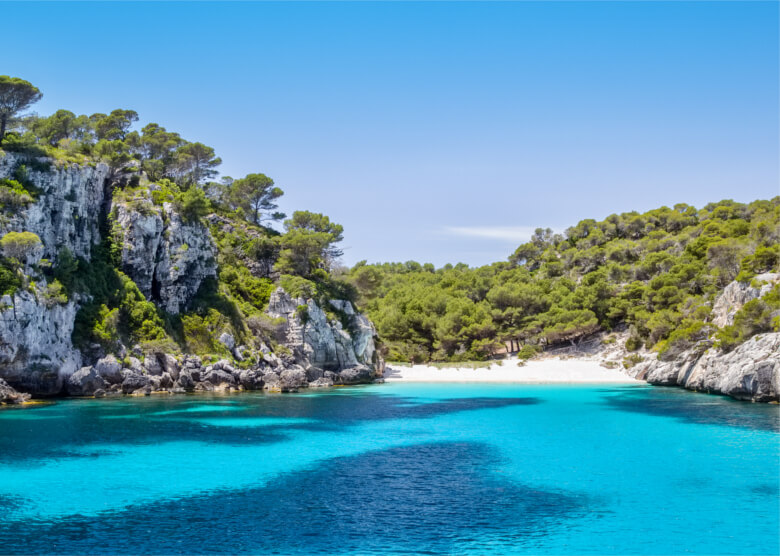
438 132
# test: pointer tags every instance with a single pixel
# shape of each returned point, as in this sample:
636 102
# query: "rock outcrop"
10 396
750 372
736 294
36 353
167 257
324 344
69 203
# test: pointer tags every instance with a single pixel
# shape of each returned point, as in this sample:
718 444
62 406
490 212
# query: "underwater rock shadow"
432 498
695 407
96 423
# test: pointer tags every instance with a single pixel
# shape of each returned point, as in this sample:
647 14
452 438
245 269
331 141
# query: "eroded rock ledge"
751 372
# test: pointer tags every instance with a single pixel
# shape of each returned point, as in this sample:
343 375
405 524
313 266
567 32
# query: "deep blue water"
395 468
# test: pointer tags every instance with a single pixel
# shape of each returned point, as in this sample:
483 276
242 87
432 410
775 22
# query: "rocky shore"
169 257
317 353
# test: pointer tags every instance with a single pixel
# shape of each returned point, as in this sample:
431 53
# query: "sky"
436 132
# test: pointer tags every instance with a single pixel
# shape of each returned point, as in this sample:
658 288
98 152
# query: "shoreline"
553 370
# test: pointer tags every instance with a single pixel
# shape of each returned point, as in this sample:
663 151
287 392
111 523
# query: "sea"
397 468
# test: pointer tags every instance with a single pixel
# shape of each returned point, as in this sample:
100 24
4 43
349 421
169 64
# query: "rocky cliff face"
736 294
750 372
67 210
35 348
323 346
168 258
165 256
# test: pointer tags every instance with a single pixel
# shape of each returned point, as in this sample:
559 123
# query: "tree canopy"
256 196
15 95
656 273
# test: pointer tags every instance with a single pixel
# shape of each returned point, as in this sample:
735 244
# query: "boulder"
152 365
314 373
251 379
185 382
227 340
133 380
109 369
217 377
356 375
292 379
204 386
84 382
166 381
10 396
272 382
170 365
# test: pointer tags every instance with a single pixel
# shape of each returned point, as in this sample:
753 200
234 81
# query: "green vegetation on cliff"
150 167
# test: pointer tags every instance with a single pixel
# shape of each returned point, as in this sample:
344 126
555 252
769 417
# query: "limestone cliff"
167 257
321 345
68 206
750 372
35 346
736 294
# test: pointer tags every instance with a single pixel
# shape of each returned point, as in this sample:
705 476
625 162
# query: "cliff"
168 259
751 372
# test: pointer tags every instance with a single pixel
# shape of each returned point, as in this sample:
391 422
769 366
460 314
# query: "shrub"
528 351
19 245
54 294
302 312
192 204
632 360
13 195
297 286
10 278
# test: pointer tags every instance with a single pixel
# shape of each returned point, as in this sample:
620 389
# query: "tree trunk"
3 122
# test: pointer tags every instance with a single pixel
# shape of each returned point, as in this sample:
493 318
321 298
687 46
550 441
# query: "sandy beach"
551 370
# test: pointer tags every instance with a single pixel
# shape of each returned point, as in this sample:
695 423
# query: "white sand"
552 370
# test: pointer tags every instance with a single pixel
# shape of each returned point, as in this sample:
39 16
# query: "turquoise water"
394 468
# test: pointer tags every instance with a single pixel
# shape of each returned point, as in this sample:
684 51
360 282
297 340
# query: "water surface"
395 468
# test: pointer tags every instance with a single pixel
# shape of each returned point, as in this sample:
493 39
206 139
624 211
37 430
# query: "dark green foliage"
14 196
308 246
255 196
657 272
192 204
528 351
117 310
10 277
15 95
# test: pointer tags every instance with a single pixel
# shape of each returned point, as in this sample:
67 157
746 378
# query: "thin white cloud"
502 233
